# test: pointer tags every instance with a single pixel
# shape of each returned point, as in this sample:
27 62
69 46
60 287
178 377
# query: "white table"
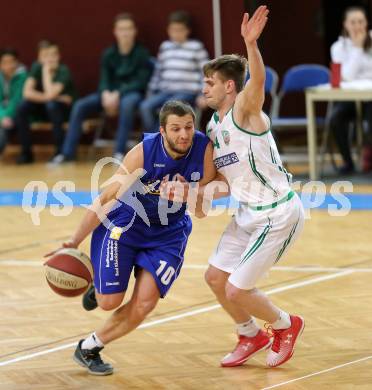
327 94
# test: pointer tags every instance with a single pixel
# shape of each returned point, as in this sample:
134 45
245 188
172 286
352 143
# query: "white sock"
92 342
284 321
248 329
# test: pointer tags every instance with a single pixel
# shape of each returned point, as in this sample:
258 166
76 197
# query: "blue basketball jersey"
158 246
148 205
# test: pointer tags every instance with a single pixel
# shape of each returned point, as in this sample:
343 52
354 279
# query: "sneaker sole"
242 361
88 303
89 371
288 357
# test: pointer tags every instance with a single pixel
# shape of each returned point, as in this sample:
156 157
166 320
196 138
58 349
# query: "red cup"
335 74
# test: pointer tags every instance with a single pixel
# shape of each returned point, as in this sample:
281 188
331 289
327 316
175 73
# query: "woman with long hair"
353 50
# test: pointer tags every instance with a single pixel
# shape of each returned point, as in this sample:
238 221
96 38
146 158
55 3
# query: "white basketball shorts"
255 240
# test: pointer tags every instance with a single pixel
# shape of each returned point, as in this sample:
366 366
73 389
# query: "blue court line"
322 202
15 198
81 198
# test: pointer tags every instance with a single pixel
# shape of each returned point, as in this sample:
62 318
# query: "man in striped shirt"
178 72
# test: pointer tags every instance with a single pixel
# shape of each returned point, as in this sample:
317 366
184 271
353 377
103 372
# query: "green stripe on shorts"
257 243
287 241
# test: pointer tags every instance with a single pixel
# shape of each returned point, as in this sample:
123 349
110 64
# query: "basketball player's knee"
214 281
108 306
109 303
208 278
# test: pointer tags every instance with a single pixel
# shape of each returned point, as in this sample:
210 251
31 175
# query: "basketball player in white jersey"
270 215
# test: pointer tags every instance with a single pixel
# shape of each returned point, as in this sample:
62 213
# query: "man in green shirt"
49 88
12 78
125 72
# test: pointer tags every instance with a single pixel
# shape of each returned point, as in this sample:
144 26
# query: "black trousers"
342 115
56 112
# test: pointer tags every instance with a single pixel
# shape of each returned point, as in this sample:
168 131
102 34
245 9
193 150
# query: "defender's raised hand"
251 28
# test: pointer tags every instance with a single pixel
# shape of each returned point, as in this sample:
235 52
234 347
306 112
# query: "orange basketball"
69 272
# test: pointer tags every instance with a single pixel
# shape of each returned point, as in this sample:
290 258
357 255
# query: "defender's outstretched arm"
251 99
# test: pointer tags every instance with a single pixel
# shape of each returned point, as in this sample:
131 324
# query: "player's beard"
174 148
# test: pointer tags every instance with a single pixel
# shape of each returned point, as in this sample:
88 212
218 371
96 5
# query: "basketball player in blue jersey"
152 244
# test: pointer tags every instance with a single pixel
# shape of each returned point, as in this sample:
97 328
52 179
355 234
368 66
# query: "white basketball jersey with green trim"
250 162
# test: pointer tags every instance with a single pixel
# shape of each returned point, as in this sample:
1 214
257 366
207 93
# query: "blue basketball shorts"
158 249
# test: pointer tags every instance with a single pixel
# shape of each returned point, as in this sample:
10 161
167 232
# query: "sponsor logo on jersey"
157 165
112 283
153 187
112 255
226 137
226 160
116 232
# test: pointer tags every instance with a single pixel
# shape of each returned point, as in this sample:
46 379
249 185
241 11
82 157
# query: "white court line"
38 263
318 372
142 326
28 263
310 281
294 269
319 269
183 315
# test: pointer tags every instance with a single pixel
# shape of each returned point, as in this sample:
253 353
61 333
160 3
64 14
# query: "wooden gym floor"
326 277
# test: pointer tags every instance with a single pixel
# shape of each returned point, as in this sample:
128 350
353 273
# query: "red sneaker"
246 348
284 341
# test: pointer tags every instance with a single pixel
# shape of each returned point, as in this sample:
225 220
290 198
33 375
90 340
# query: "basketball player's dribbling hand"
251 28
66 244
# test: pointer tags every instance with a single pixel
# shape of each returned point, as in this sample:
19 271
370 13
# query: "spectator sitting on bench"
125 73
178 73
49 90
12 78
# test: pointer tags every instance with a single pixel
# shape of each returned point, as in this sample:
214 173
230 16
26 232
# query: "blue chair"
271 82
271 86
297 79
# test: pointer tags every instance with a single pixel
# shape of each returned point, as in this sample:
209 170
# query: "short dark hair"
180 16
124 16
43 44
46 44
230 67
175 107
8 51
